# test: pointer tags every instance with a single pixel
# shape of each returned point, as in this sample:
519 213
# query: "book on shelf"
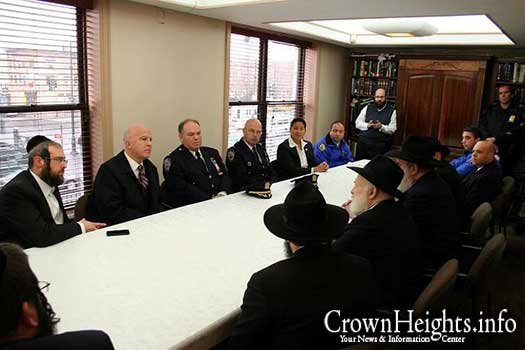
375 68
511 72
369 86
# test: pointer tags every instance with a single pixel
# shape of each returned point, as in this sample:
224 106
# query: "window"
266 82
42 88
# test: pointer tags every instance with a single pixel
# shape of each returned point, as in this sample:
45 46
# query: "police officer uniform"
326 150
192 177
249 168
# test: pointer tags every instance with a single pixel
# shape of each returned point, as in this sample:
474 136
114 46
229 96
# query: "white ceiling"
508 14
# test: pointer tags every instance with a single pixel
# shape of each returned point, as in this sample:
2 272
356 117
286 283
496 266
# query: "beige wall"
333 74
164 72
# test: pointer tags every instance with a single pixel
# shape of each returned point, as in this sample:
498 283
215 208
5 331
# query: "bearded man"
31 210
383 232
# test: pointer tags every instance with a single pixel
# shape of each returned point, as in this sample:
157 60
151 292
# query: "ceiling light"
400 28
208 4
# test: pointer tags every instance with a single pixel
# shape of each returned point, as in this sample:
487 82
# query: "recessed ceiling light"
207 4
437 30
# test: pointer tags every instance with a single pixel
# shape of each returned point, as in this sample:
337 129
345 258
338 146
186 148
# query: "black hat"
261 189
312 178
438 147
35 141
305 217
416 149
384 173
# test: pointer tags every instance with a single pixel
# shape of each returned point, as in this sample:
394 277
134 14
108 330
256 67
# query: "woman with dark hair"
295 156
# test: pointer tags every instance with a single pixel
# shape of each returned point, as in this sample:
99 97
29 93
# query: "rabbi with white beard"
383 232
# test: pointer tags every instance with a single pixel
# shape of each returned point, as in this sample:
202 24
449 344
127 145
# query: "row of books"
374 68
369 86
512 72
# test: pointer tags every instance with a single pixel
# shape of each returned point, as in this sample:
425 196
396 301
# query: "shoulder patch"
322 147
167 164
231 154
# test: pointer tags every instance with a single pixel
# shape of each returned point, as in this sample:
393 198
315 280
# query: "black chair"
81 207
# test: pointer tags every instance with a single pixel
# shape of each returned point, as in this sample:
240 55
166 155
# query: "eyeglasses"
43 286
59 159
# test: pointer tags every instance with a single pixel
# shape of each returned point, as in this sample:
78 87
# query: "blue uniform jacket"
462 164
326 150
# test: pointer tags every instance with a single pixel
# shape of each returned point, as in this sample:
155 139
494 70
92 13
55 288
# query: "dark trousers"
368 150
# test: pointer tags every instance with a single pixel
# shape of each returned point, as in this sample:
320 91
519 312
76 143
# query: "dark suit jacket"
387 236
117 194
188 181
482 185
247 172
433 208
454 182
285 304
80 340
25 218
288 162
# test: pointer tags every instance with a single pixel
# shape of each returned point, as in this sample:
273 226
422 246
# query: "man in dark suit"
248 163
31 210
429 200
485 183
286 304
27 321
193 173
383 232
127 186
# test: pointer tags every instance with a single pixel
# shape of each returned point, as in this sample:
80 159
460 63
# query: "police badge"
231 154
322 147
217 167
512 118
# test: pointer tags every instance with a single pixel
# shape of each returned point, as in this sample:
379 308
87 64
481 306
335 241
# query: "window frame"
262 103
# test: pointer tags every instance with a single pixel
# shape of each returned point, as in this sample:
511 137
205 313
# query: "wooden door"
439 98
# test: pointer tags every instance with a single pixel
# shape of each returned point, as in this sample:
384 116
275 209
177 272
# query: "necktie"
254 150
143 180
198 155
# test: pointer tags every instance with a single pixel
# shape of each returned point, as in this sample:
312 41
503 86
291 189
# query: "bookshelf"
510 72
367 74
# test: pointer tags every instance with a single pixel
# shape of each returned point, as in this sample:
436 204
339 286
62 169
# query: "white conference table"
178 277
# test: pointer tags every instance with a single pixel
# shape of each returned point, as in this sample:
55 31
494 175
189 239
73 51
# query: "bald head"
138 142
252 131
483 153
380 97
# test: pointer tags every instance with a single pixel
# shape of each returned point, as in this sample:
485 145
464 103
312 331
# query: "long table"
178 279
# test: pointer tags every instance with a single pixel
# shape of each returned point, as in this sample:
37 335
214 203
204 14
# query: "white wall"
162 73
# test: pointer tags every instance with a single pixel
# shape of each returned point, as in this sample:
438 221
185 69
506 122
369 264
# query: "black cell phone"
117 233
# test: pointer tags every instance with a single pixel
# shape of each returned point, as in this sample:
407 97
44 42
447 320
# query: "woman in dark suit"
295 156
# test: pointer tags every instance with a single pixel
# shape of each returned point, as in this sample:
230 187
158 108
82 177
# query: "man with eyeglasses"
27 320
31 210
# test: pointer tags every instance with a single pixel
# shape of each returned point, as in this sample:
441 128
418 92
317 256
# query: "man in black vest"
377 123
127 185
248 162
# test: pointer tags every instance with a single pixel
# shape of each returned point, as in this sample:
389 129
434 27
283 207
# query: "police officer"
332 148
248 162
193 173
377 123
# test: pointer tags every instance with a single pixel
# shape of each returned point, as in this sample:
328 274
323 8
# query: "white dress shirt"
133 165
301 152
389 129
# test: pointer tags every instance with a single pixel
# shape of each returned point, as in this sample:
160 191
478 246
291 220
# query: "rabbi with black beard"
31 210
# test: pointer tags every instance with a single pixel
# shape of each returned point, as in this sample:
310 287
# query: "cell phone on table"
112 233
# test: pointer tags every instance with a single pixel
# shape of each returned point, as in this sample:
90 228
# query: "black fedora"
384 173
416 149
35 141
305 217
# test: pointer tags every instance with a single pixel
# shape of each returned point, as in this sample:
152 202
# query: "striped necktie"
143 180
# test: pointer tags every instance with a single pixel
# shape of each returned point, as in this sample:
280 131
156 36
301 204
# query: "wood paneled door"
438 98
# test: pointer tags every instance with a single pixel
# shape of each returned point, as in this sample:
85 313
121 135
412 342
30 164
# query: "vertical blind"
42 88
267 82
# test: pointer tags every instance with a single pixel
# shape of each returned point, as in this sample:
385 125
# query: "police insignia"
167 164
322 147
512 118
249 163
217 167
231 154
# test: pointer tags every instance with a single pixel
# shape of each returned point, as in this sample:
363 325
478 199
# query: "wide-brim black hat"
384 173
305 217
35 141
416 149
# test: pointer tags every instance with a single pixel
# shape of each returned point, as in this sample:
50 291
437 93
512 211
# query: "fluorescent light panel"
207 4
452 30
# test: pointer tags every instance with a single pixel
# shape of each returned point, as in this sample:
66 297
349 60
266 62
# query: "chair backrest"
480 221
483 270
508 186
81 207
438 292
